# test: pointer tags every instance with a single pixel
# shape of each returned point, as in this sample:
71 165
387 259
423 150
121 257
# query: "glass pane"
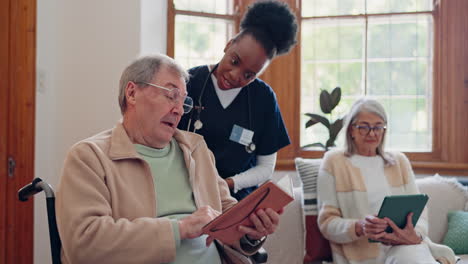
318 132
224 7
200 40
400 36
326 76
410 125
332 39
332 7
332 55
398 6
398 78
399 73
317 77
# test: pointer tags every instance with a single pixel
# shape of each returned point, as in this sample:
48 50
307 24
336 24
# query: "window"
411 55
382 49
202 29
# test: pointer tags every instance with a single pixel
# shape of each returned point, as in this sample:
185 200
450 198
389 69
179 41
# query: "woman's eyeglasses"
174 95
365 130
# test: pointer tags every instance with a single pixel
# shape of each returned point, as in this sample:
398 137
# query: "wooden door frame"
4 29
17 126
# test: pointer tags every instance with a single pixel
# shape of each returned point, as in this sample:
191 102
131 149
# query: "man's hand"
265 223
405 236
191 226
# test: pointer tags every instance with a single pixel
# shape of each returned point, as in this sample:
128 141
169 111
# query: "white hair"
369 105
143 69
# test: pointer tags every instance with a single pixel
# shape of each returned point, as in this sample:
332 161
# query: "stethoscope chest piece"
250 147
198 124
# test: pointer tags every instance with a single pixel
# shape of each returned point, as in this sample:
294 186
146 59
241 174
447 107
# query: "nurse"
236 112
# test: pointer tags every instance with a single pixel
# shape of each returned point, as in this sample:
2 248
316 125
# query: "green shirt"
174 200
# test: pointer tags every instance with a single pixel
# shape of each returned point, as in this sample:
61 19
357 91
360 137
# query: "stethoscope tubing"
200 106
250 147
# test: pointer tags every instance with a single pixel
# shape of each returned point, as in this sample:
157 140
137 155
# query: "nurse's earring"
198 124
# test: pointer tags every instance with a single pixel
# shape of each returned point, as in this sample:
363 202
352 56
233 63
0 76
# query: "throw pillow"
457 232
317 247
445 195
308 172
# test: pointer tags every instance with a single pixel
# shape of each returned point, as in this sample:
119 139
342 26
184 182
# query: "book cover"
269 195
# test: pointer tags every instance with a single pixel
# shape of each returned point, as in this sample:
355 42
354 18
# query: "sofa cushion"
317 247
457 233
445 195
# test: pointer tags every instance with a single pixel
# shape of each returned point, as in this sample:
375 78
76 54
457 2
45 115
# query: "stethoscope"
198 124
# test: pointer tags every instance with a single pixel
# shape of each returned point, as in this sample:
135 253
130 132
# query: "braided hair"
272 24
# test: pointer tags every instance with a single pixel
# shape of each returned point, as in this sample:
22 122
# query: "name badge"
241 135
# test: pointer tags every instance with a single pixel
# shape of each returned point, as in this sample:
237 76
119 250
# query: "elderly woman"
352 184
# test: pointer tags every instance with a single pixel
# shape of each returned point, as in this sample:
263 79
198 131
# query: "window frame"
365 18
450 88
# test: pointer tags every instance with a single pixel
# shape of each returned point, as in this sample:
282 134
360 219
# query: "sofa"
298 240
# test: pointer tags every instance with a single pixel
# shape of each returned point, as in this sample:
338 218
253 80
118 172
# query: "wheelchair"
38 185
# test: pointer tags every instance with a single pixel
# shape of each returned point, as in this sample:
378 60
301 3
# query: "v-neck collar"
217 91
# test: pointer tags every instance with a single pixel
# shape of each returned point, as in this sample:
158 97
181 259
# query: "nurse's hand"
191 226
230 183
265 223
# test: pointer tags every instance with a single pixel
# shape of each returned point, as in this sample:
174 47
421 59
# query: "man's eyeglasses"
365 130
175 96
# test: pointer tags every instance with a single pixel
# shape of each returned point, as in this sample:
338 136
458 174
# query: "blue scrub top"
264 119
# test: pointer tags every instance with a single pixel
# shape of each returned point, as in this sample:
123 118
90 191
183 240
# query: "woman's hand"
405 236
265 223
371 227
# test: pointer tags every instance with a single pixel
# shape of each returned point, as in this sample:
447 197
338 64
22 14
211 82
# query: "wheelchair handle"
36 186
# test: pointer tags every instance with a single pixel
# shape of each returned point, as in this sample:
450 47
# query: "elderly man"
142 191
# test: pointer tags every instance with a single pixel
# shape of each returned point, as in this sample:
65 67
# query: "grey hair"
368 105
143 69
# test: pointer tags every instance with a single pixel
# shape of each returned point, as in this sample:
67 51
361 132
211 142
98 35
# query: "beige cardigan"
341 208
106 205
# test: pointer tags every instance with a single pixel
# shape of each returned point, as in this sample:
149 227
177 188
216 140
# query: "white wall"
82 48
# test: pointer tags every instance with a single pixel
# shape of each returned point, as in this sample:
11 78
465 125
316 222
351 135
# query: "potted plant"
328 102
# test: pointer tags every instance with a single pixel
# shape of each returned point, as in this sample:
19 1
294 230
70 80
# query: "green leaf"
311 122
335 128
325 102
330 143
314 118
335 97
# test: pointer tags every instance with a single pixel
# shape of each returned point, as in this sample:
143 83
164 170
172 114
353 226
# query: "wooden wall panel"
284 76
4 44
453 73
21 99
464 121
170 39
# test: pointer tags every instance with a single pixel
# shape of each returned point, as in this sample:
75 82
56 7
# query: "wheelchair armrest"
29 190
